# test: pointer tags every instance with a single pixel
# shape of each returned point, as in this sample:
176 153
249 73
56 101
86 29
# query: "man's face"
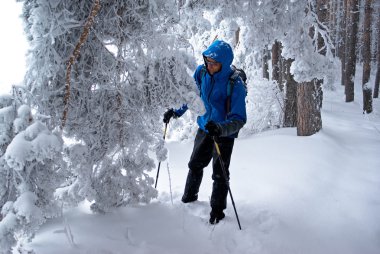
213 66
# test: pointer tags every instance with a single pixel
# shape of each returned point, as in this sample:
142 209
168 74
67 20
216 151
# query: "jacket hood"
221 52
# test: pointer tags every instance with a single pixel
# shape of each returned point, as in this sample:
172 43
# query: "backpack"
231 82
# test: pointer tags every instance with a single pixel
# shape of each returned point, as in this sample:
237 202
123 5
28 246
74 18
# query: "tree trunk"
334 12
323 14
290 114
377 80
237 37
343 47
352 30
367 90
276 64
309 119
266 57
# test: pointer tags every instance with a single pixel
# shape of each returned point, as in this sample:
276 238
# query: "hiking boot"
188 199
216 216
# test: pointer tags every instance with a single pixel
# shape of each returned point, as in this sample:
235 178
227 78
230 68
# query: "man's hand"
168 114
213 129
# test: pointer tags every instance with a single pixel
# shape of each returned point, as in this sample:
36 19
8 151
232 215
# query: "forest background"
85 122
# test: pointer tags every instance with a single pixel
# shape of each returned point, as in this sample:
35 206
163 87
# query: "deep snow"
317 194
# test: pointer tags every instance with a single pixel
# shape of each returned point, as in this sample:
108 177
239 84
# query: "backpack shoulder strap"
203 72
231 81
230 88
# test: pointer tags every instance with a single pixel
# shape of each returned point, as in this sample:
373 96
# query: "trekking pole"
159 164
225 177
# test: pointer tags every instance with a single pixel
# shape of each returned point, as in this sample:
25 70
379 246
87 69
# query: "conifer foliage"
128 71
102 72
30 172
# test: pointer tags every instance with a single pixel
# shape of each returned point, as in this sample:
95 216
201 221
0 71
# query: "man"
219 124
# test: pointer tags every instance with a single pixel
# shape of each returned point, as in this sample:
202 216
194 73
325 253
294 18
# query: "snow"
25 207
10 221
24 111
34 143
317 194
18 152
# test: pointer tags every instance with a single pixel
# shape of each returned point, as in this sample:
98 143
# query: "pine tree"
265 57
129 70
367 89
30 170
290 111
342 53
351 39
377 79
277 64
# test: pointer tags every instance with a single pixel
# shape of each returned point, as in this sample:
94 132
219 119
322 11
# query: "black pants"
204 149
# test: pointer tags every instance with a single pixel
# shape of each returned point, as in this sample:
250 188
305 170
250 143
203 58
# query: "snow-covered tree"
30 172
261 23
130 69
133 63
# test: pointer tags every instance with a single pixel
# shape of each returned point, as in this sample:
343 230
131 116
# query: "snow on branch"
320 29
94 11
28 173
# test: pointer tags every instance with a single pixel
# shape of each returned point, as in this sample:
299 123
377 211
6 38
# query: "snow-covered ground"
317 194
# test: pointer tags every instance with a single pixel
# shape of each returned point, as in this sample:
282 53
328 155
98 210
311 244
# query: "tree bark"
276 64
266 57
237 37
86 30
343 47
367 90
351 38
323 14
309 94
333 12
377 80
309 119
290 114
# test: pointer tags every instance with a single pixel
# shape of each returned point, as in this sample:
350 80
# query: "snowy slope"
318 194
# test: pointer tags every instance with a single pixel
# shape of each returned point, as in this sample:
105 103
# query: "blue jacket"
213 92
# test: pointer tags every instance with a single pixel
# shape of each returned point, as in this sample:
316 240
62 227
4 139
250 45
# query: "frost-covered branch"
29 173
90 20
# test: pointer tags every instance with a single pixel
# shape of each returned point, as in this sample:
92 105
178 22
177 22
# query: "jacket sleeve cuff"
230 128
179 112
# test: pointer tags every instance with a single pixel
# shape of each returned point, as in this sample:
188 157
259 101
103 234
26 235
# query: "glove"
168 114
213 129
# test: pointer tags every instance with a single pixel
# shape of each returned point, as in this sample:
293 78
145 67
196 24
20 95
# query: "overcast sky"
13 45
